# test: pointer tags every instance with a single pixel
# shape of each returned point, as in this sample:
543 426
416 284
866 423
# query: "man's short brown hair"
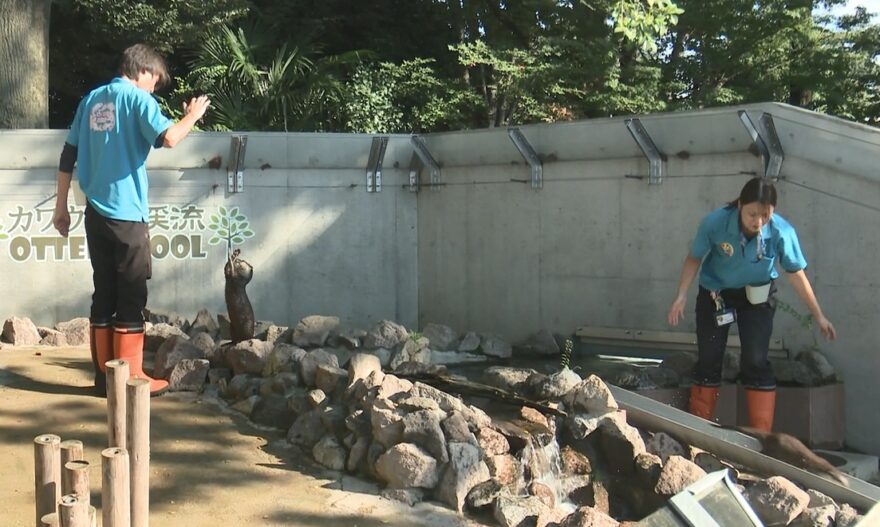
140 57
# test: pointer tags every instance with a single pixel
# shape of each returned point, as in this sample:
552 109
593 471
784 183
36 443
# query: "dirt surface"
210 466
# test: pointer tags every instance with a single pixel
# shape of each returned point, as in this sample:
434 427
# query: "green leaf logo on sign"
229 226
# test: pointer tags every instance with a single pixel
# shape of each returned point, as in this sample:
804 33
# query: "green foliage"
644 21
229 226
567 350
3 234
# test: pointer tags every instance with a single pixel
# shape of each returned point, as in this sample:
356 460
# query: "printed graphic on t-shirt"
102 117
727 249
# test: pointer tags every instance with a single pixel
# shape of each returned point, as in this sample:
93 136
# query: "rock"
328 378
204 323
677 473
282 383
847 517
246 406
358 454
172 351
661 377
422 427
483 494
505 468
348 338
261 329
329 453
776 500
204 342
817 499
384 356
242 386
311 360
273 411
492 442
316 398
591 395
621 443
474 416
20 332
541 343
663 445
647 469
412 351
223 322
456 429
556 385
407 465
407 496
314 330
386 334
278 335
819 365
306 430
283 357
440 337
469 343
464 471
189 375
343 356
52 337
333 420
507 378
816 517
392 385
542 492
248 356
76 331
588 517
494 346
414 404
794 372
156 335
386 423
573 462
517 512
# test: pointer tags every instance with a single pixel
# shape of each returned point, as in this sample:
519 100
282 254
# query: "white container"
758 294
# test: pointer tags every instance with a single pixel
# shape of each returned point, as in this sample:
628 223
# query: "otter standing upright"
238 274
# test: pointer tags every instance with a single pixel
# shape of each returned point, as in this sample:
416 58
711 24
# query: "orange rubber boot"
703 400
101 344
128 345
762 406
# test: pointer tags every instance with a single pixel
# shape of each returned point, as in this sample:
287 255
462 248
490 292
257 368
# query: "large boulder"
76 331
407 465
314 330
21 332
248 356
309 364
442 338
465 470
172 351
189 375
777 501
386 334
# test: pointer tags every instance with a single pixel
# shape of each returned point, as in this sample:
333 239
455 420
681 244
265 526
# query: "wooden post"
138 429
47 475
75 480
74 512
71 450
50 520
117 376
115 487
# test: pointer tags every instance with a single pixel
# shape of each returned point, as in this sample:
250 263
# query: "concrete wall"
321 244
597 247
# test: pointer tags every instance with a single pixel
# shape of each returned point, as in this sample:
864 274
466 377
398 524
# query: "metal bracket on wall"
427 159
374 164
529 154
766 141
235 170
415 166
656 159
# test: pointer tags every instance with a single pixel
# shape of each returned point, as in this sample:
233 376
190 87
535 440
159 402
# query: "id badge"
725 317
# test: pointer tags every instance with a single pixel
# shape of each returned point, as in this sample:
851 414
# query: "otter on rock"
789 449
238 274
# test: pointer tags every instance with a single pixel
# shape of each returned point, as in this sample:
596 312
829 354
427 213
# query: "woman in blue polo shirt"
736 250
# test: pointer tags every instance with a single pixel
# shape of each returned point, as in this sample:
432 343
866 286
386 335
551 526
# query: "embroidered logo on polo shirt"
727 249
102 117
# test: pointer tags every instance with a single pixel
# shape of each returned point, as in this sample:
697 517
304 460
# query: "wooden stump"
73 511
115 489
47 475
75 480
138 429
117 376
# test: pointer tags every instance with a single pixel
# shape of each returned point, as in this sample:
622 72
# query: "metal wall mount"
415 166
235 170
421 150
767 142
374 164
529 154
656 159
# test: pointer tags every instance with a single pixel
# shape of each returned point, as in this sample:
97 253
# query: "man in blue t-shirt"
115 127
736 251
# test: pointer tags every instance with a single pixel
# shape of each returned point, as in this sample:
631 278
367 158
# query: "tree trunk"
24 63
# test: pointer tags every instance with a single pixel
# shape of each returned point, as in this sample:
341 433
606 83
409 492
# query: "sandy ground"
210 466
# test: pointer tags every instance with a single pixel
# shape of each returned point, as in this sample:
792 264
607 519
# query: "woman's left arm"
801 284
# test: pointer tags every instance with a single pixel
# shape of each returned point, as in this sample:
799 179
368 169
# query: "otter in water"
789 449
241 315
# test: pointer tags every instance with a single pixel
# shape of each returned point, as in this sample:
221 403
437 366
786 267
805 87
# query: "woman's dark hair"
757 190
140 57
